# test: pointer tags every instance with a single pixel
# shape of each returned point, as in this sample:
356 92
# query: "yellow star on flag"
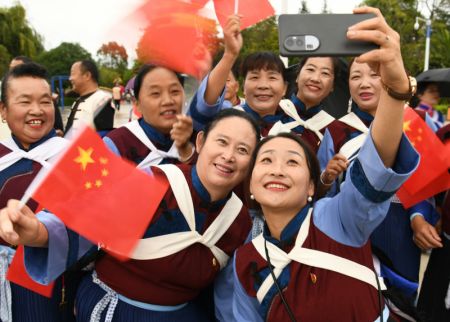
88 185
406 126
98 183
103 160
105 172
85 157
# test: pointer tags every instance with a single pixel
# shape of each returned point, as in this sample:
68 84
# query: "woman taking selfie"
315 255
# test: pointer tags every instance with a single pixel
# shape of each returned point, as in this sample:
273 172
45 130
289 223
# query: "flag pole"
236 7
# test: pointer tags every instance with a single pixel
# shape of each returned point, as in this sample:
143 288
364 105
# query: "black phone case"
327 32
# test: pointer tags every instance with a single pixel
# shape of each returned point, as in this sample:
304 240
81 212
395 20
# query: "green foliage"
5 58
108 76
442 108
59 60
401 15
16 35
261 37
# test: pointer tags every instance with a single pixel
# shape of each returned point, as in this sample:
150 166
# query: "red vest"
315 294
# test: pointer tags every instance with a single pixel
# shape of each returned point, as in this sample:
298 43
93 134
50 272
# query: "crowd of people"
276 211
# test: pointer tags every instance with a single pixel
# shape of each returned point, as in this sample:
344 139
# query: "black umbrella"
441 76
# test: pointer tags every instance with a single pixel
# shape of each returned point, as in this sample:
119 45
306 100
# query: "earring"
252 197
309 199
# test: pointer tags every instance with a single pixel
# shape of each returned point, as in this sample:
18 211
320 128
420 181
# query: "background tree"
5 58
261 37
401 16
16 36
59 60
113 56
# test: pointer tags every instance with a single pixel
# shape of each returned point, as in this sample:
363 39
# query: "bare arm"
218 76
387 60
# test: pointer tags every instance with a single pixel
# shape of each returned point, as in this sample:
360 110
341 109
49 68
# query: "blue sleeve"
352 215
326 150
110 145
200 111
244 308
425 209
223 293
65 248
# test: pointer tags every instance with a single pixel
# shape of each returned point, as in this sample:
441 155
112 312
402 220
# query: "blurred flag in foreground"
180 35
432 176
251 11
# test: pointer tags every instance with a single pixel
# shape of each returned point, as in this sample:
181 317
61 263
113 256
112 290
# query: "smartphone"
320 35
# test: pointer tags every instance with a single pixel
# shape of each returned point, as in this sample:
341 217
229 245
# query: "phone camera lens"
289 42
299 42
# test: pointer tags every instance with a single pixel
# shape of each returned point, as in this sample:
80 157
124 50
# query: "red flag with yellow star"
431 177
99 195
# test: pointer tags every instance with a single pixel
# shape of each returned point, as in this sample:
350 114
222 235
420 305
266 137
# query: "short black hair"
23 59
87 65
231 112
144 70
23 70
263 60
311 159
422 86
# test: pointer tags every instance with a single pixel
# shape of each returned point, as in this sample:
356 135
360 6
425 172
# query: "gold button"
214 262
313 277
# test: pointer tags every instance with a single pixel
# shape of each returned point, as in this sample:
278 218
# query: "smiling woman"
27 107
195 230
314 254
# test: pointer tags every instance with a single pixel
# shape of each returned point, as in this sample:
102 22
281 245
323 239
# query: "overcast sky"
92 23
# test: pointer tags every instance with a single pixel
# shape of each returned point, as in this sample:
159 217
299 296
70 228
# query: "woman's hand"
387 60
21 227
181 133
425 235
335 167
387 127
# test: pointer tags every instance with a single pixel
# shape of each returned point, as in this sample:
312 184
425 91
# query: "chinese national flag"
252 11
431 177
99 195
18 275
179 35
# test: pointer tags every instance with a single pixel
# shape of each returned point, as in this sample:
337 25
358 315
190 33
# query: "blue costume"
16 174
339 228
392 239
164 276
202 113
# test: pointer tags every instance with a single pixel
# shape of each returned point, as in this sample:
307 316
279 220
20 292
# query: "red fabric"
101 196
18 275
252 11
431 177
179 36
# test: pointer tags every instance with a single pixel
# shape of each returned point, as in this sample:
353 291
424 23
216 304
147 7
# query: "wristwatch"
402 96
